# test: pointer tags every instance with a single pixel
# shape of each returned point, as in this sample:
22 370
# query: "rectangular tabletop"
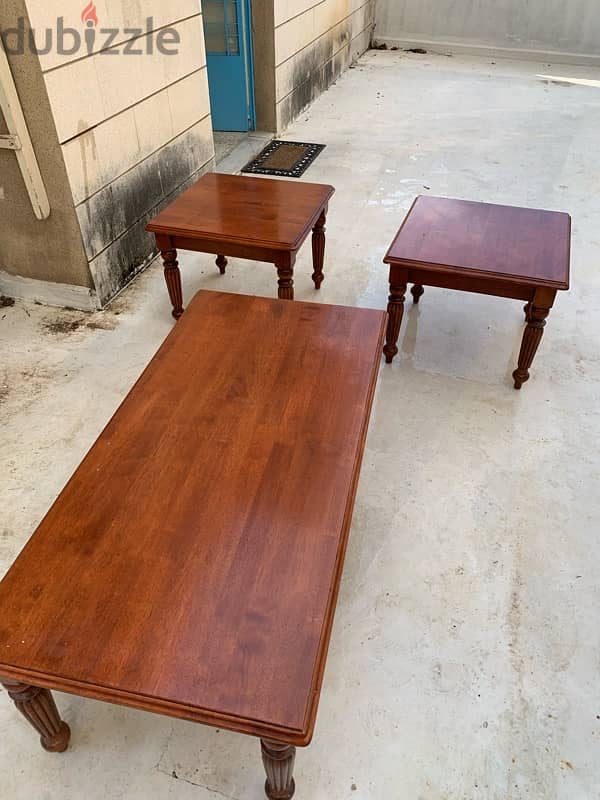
191 565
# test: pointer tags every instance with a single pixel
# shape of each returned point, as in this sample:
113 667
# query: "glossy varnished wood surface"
519 245
192 563
245 211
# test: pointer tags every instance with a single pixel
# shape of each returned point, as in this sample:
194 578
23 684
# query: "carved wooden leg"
536 321
286 283
527 311
38 707
279 765
173 279
318 247
417 292
396 312
221 264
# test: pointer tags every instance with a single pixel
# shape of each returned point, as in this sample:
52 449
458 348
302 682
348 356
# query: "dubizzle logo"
89 15
102 41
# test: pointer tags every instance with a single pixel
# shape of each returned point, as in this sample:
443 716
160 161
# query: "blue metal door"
227 32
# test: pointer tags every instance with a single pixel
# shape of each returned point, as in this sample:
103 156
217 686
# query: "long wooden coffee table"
261 219
191 565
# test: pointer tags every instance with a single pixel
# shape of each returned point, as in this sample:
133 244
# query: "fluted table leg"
395 312
39 709
318 248
173 280
279 764
285 273
536 322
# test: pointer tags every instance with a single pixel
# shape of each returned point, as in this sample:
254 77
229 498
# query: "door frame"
248 45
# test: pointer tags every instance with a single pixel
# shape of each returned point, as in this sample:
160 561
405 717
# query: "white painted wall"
570 28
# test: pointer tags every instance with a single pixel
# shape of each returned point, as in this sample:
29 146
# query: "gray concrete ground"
465 655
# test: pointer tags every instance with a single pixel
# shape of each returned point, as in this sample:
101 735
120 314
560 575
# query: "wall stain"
87 143
113 221
316 70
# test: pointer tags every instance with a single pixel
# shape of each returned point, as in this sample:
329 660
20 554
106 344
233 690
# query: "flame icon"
90 14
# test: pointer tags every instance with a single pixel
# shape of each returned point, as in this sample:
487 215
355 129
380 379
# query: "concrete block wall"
134 129
42 260
129 131
314 43
558 31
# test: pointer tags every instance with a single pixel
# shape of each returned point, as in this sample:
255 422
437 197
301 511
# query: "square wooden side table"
519 253
253 218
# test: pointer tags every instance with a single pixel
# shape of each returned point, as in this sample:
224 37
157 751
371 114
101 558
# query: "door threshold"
234 150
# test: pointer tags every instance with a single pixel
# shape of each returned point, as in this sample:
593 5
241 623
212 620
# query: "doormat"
287 159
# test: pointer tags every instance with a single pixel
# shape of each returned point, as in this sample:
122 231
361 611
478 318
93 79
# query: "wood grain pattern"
512 244
192 563
243 210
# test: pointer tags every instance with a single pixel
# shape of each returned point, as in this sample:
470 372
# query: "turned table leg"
395 312
38 707
221 264
173 279
318 248
536 321
279 764
417 292
285 271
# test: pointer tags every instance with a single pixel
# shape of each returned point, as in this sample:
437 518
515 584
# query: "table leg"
279 764
536 321
38 707
318 248
173 279
395 312
417 292
286 281
527 311
221 264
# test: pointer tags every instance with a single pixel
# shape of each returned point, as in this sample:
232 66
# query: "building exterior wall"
118 135
134 129
314 43
50 250
569 30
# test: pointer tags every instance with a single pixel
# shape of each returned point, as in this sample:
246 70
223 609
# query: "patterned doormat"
287 159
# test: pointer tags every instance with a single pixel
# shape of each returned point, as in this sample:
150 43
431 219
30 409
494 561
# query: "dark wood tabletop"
521 245
242 210
192 563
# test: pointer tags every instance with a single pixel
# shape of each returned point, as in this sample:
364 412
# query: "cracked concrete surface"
464 658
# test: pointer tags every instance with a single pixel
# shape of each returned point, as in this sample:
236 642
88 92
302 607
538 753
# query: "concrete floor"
465 655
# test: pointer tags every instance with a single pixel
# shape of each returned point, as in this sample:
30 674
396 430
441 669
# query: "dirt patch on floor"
69 324
62 326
